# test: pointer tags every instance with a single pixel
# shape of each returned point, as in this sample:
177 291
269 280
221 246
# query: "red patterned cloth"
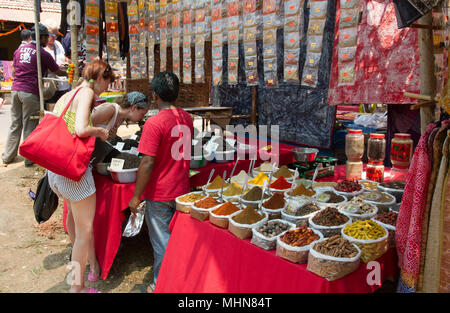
387 59
408 236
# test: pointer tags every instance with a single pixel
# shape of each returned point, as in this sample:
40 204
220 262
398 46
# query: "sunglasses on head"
107 73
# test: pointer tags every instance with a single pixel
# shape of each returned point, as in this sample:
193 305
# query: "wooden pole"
427 77
74 41
38 56
253 118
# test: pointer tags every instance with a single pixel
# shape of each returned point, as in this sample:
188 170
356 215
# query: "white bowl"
124 176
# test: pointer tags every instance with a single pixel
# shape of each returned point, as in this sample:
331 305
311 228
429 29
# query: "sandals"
93 278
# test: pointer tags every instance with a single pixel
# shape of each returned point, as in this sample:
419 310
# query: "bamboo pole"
74 43
253 118
427 78
38 56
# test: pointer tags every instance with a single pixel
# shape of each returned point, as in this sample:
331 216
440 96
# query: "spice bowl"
382 206
282 191
301 220
185 207
243 231
220 220
370 249
295 254
368 185
305 154
397 193
124 176
268 243
358 217
324 205
200 213
328 231
272 213
348 195
232 199
212 192
332 268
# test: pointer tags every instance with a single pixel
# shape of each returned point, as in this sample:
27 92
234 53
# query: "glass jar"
354 144
376 147
375 171
353 170
401 150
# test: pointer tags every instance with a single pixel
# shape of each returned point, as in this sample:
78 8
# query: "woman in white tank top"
111 115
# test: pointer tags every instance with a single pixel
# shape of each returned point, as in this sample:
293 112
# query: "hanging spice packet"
163 55
312 59
318 9
269 6
314 43
309 77
316 27
291 56
347 73
217 72
187 71
349 18
346 54
200 70
232 70
348 37
349 4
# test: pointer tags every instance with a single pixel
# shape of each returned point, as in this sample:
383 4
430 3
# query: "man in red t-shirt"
163 173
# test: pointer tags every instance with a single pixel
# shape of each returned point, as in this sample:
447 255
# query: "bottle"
375 171
354 144
401 151
376 147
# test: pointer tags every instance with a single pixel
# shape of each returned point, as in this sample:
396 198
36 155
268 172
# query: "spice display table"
113 198
201 257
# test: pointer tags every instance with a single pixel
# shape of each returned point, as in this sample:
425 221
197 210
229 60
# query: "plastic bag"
314 44
233 37
346 54
250 48
244 231
216 27
391 230
291 40
270 21
249 6
271 80
347 73
292 7
328 231
270 64
250 34
295 254
270 36
332 268
187 71
270 50
312 59
252 77
233 8
291 24
349 4
349 18
370 249
217 40
45 201
291 56
316 27
250 20
291 73
269 6
318 9
233 51
310 77
216 53
348 37
199 70
268 243
135 222
233 70
233 22
251 62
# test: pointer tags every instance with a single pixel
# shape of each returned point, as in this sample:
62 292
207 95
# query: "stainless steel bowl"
305 154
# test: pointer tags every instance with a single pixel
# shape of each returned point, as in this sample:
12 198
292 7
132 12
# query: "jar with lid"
375 171
401 150
353 170
376 147
354 144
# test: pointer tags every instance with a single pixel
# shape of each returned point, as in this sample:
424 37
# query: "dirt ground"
33 258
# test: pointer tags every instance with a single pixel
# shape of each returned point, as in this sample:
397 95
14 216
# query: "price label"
119 146
117 164
134 137
134 151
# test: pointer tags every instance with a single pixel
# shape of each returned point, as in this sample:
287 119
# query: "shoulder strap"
113 121
70 101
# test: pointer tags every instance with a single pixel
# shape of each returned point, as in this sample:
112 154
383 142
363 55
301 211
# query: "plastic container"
200 213
375 171
397 193
268 243
328 231
353 170
359 217
376 147
401 150
185 207
243 231
295 254
382 206
332 268
370 249
124 176
354 144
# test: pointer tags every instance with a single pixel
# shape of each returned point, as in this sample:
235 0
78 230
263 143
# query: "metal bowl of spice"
305 154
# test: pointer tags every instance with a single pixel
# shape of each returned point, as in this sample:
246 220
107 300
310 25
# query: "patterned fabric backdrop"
302 113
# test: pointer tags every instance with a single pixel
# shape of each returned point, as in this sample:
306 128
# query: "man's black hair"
166 86
43 31
25 34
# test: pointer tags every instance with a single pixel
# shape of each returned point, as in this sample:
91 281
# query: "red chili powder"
280 183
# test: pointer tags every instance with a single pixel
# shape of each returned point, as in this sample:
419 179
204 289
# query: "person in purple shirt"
25 91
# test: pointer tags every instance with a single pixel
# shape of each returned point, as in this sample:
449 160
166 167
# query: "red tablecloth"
113 198
201 257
